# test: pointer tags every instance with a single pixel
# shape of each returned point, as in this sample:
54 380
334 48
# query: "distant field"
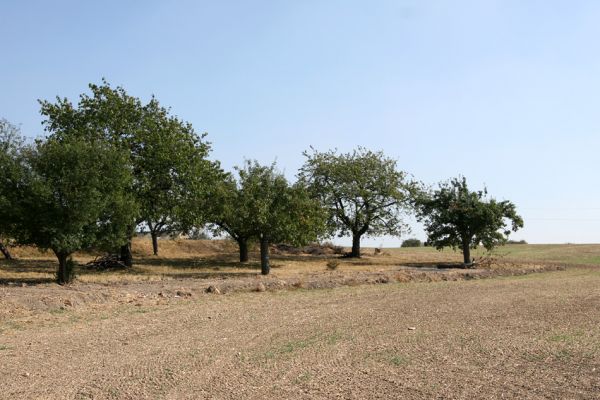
558 253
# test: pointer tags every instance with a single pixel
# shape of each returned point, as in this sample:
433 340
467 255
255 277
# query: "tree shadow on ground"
434 264
306 258
26 281
212 275
208 267
195 263
27 267
20 265
222 261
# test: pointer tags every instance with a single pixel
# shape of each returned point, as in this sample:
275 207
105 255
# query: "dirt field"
153 333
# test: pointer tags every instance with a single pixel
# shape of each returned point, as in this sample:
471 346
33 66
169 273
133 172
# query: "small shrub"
411 243
516 242
332 265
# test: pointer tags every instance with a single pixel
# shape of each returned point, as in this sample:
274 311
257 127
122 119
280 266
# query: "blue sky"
504 92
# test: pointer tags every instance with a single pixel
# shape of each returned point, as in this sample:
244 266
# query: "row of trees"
112 164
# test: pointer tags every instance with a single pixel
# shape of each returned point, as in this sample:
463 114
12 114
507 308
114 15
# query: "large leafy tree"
11 145
171 172
230 214
456 217
73 195
279 212
363 191
173 177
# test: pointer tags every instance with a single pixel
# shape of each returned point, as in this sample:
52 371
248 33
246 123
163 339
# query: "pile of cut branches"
107 262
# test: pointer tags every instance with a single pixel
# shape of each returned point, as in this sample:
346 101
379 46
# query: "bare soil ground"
415 333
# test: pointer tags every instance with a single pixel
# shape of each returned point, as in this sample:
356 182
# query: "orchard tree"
230 214
456 217
11 145
363 191
73 196
279 212
168 158
172 175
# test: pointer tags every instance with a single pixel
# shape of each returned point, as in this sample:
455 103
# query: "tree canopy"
72 196
276 211
456 217
363 191
171 172
229 213
11 145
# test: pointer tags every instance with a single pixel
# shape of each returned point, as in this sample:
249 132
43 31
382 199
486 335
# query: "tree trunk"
154 243
65 273
265 268
466 252
243 243
5 251
355 245
126 257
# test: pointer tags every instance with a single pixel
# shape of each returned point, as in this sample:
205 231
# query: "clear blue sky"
506 93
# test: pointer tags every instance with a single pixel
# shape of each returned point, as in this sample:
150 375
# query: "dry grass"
570 254
206 259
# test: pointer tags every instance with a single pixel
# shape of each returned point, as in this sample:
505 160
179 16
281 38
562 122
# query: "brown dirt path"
530 337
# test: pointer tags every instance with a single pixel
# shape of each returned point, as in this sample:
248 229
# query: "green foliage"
171 174
363 191
278 211
11 140
229 210
456 217
73 195
262 204
11 175
411 243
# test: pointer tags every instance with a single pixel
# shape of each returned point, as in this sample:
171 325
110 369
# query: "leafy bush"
516 242
411 243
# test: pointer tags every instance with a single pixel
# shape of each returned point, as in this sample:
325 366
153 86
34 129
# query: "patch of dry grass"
573 254
204 259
